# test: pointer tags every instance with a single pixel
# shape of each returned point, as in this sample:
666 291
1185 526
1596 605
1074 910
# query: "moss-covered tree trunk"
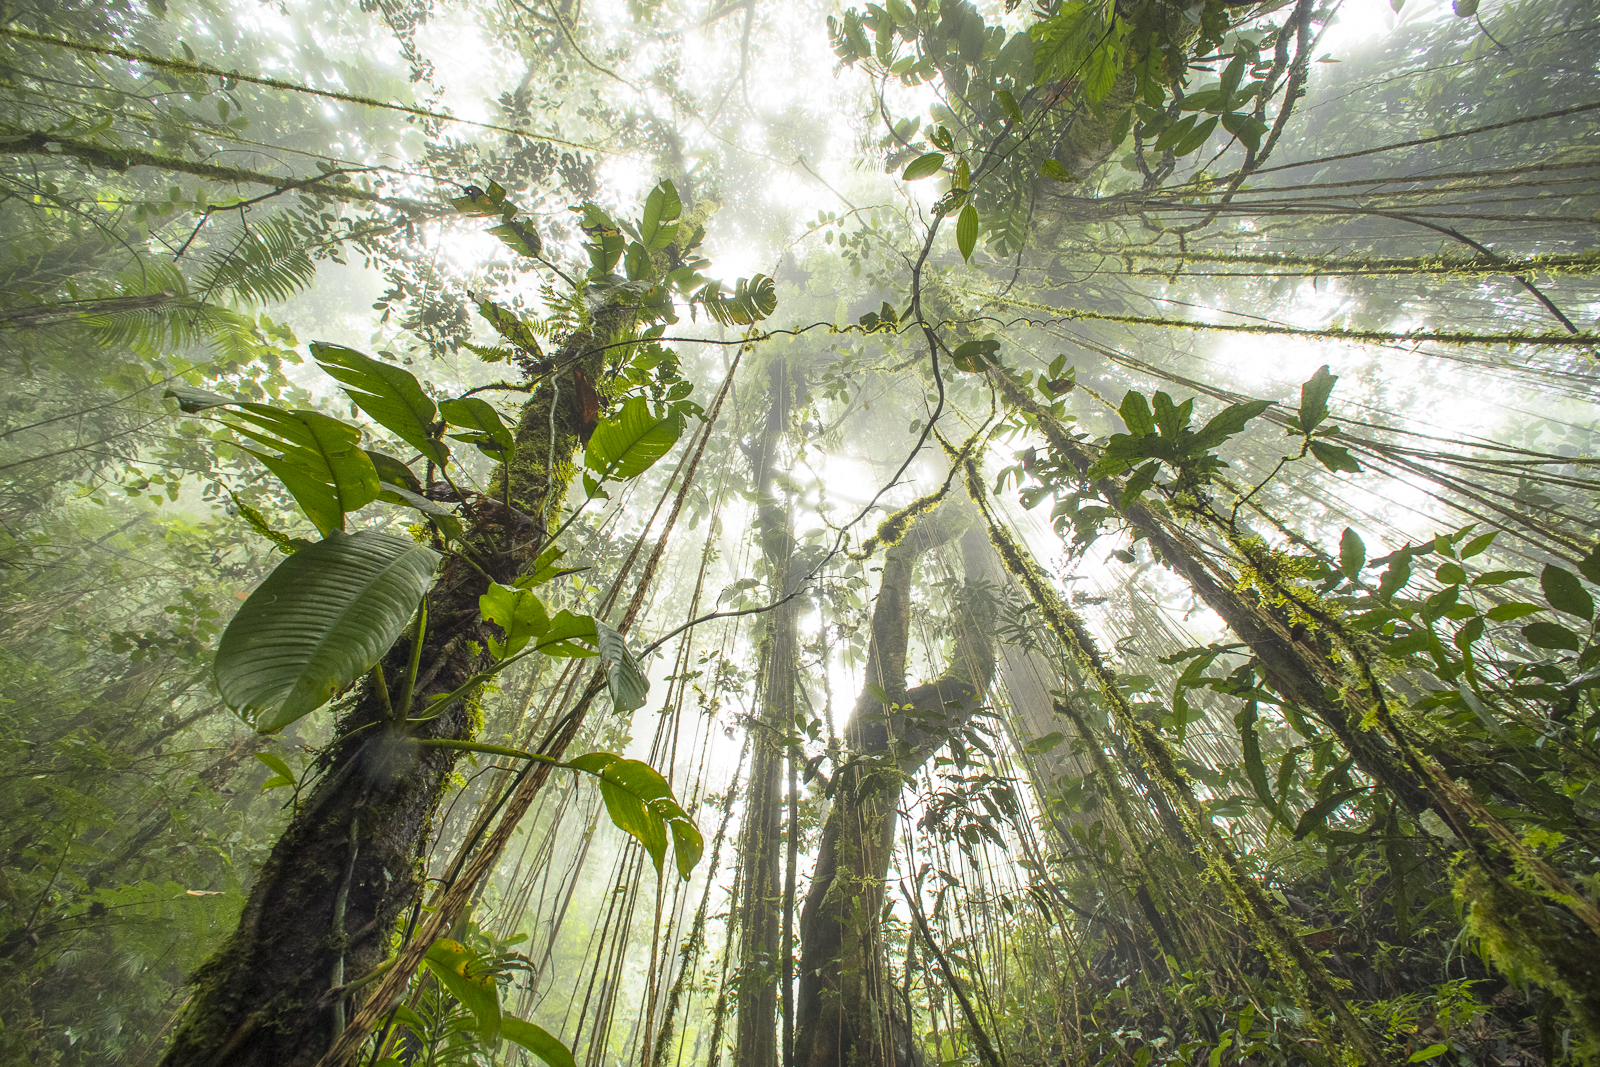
1315 674
760 907
845 1013
343 878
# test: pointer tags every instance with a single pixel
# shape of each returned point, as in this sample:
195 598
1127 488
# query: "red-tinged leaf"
588 405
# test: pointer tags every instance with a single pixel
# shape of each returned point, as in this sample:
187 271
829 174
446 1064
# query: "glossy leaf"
387 393
487 430
641 803
519 614
630 443
536 1040
629 685
318 623
320 462
752 300
659 225
568 636
464 975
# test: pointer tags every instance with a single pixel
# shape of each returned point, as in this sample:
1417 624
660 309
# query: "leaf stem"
400 711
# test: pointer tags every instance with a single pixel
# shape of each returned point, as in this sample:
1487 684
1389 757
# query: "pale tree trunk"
846 1014
761 903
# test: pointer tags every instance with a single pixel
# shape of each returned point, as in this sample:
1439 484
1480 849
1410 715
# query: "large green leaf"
318 623
568 636
489 432
627 680
325 452
753 299
519 614
630 444
390 395
660 222
536 1040
967 231
466 977
924 165
641 803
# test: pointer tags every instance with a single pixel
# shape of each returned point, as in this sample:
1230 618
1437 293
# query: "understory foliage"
1043 535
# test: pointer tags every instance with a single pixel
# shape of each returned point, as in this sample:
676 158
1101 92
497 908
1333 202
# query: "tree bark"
845 1012
760 910
349 867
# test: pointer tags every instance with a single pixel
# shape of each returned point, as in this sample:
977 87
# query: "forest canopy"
897 534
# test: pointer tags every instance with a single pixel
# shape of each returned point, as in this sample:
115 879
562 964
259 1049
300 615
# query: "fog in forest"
740 534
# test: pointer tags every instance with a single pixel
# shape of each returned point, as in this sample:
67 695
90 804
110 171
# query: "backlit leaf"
387 393
924 165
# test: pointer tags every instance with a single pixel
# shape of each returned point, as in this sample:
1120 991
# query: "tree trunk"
344 875
846 1015
760 909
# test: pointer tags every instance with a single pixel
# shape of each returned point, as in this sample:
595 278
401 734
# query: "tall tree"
845 1012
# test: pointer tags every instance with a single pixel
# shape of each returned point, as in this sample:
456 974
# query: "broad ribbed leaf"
753 299
489 432
924 165
629 686
660 222
390 395
328 452
318 623
641 803
630 444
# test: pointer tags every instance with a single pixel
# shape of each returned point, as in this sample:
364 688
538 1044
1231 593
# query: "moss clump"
1526 941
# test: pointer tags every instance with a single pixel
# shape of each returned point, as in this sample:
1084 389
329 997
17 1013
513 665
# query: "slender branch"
978 1034
181 67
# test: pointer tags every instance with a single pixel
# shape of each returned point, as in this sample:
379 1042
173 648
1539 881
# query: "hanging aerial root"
1300 968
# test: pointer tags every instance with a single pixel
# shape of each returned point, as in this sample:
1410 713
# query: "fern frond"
268 263
488 353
